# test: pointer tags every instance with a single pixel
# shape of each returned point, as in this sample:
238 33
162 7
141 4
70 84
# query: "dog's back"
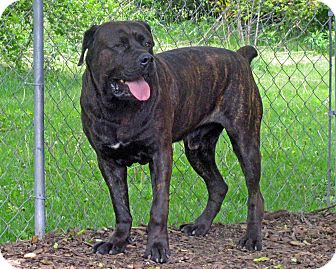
208 78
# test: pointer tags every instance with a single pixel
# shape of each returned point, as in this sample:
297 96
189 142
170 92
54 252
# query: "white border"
4 264
331 264
331 4
5 3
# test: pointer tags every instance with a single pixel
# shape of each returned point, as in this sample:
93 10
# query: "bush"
179 10
66 20
16 31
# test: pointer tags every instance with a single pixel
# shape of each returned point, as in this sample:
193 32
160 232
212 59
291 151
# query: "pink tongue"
139 88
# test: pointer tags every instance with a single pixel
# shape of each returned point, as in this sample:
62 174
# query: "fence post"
39 189
330 111
335 101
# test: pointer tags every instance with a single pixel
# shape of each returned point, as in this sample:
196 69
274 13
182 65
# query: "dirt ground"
290 241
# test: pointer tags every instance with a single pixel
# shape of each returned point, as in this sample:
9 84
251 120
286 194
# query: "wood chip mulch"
291 240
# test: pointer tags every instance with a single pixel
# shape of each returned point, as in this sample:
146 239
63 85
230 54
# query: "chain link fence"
292 73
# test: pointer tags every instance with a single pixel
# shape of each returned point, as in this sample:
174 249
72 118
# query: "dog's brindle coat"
193 94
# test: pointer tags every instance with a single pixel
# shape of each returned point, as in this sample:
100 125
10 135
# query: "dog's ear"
87 41
146 25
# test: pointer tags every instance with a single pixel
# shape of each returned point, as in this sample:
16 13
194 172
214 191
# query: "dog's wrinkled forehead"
118 33
123 34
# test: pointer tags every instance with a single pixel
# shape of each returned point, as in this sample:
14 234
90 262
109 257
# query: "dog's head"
120 59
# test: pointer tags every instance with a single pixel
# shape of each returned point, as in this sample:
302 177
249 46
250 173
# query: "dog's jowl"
136 104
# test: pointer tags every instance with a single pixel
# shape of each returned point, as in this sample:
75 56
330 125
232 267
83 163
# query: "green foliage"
64 23
16 34
276 21
179 10
296 13
66 20
318 41
284 12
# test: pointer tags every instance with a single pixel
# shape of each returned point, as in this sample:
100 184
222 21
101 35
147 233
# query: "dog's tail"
248 52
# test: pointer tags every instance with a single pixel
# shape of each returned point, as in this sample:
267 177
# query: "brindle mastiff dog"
136 104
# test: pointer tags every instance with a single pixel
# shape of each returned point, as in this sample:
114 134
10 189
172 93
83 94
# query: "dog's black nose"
145 59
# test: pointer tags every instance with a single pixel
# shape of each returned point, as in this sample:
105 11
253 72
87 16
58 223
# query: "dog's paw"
157 251
250 243
109 248
195 229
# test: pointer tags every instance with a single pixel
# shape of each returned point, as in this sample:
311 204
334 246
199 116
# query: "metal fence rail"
294 73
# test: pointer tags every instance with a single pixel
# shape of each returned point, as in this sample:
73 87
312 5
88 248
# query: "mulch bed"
290 241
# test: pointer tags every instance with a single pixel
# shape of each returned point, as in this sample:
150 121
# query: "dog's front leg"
116 179
161 168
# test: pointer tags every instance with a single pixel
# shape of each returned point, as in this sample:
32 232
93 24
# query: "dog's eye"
148 44
121 45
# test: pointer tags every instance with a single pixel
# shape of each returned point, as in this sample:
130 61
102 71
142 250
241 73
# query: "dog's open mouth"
139 88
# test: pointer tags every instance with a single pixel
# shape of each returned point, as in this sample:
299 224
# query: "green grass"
294 150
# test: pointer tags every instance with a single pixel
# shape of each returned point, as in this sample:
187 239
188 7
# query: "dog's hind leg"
200 151
246 144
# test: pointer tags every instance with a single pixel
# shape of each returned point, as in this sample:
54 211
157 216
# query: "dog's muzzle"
139 88
134 84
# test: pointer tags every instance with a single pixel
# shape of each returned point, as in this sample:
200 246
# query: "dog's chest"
125 144
127 154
